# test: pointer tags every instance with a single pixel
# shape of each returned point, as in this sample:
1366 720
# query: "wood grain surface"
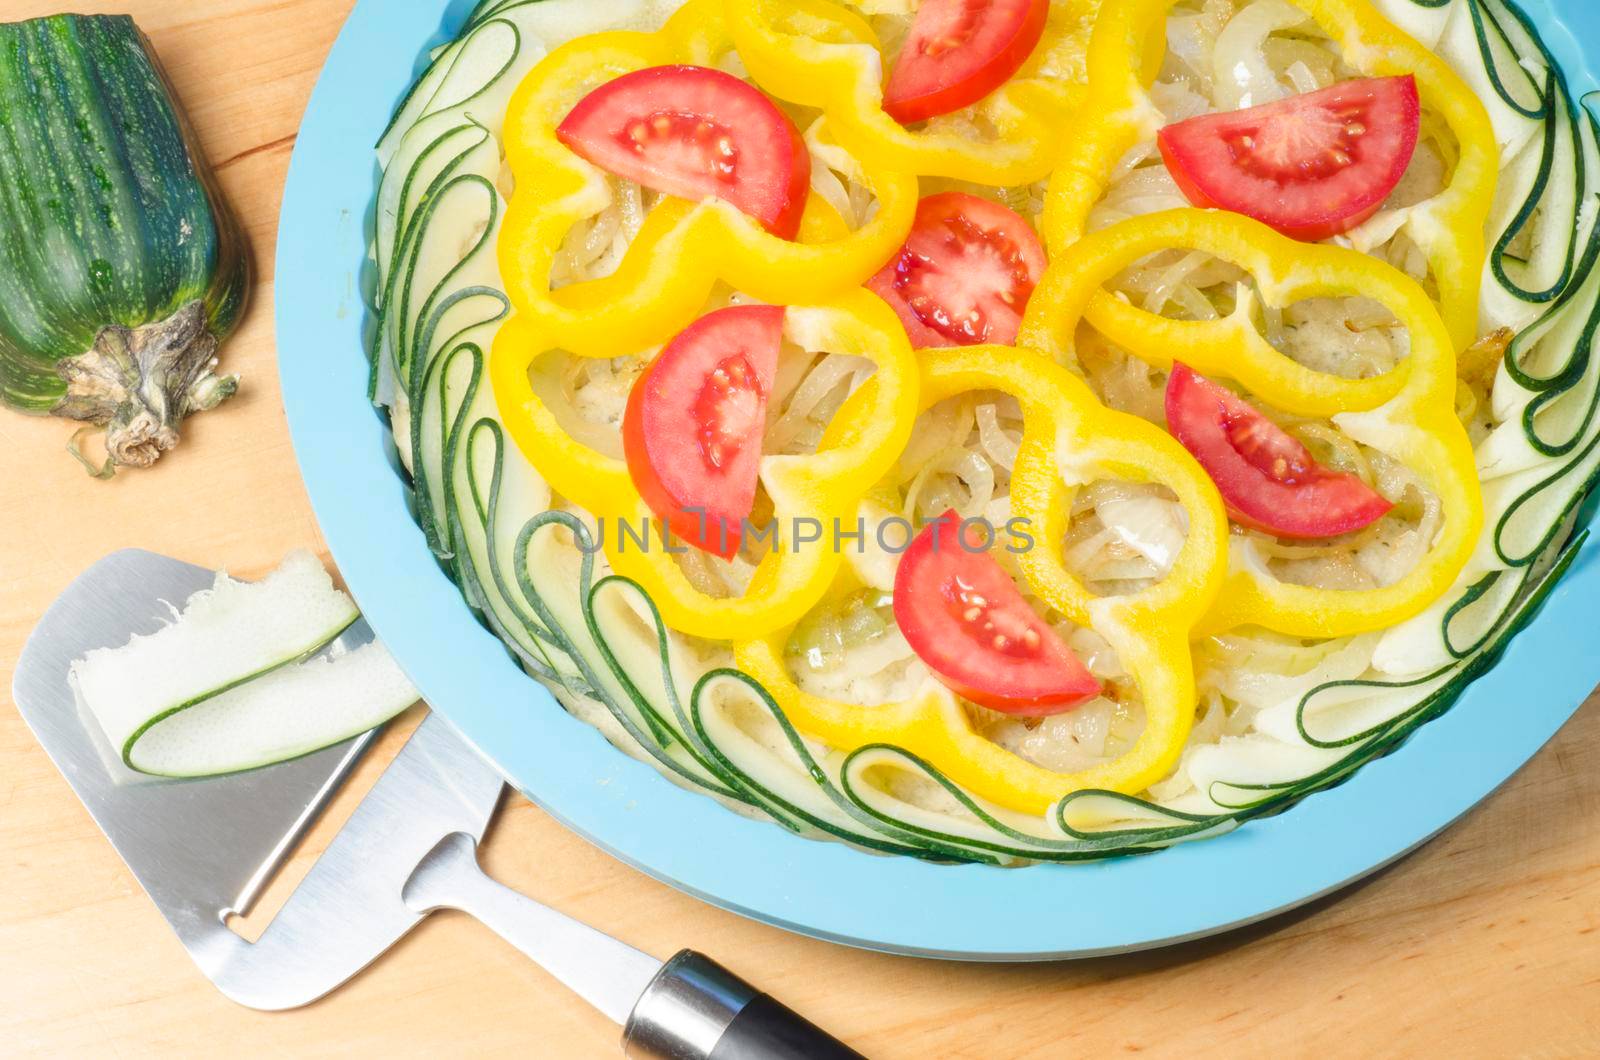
1485 943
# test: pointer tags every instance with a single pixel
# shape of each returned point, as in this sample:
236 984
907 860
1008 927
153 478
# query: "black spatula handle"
695 1009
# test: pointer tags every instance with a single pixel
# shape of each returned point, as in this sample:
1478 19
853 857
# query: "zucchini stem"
139 383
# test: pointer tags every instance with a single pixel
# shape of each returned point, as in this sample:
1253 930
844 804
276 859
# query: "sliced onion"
927 497
945 426
999 444
1171 278
1241 74
818 396
1301 77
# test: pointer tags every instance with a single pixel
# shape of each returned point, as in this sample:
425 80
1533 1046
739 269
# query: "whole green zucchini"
121 269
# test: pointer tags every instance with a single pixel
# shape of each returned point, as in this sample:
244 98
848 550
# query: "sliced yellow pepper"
1233 347
1408 413
1449 228
1069 439
683 249
821 54
876 424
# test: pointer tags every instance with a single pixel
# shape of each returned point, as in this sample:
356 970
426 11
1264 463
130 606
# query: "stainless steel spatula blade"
203 849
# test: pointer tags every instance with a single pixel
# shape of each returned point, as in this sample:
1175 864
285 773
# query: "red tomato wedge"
959 51
1267 478
692 431
965 274
963 616
696 133
1310 166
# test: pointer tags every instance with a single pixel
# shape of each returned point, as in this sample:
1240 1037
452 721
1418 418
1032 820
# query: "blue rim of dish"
825 889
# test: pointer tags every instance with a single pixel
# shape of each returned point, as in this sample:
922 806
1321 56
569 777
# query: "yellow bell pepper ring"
1449 228
1408 412
683 249
1284 271
821 54
1063 426
791 578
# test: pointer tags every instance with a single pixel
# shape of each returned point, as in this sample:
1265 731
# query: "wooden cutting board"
1483 944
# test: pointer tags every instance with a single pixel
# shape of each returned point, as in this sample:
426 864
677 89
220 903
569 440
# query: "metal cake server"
204 849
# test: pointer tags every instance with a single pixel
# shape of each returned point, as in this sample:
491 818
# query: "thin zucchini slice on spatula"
232 683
